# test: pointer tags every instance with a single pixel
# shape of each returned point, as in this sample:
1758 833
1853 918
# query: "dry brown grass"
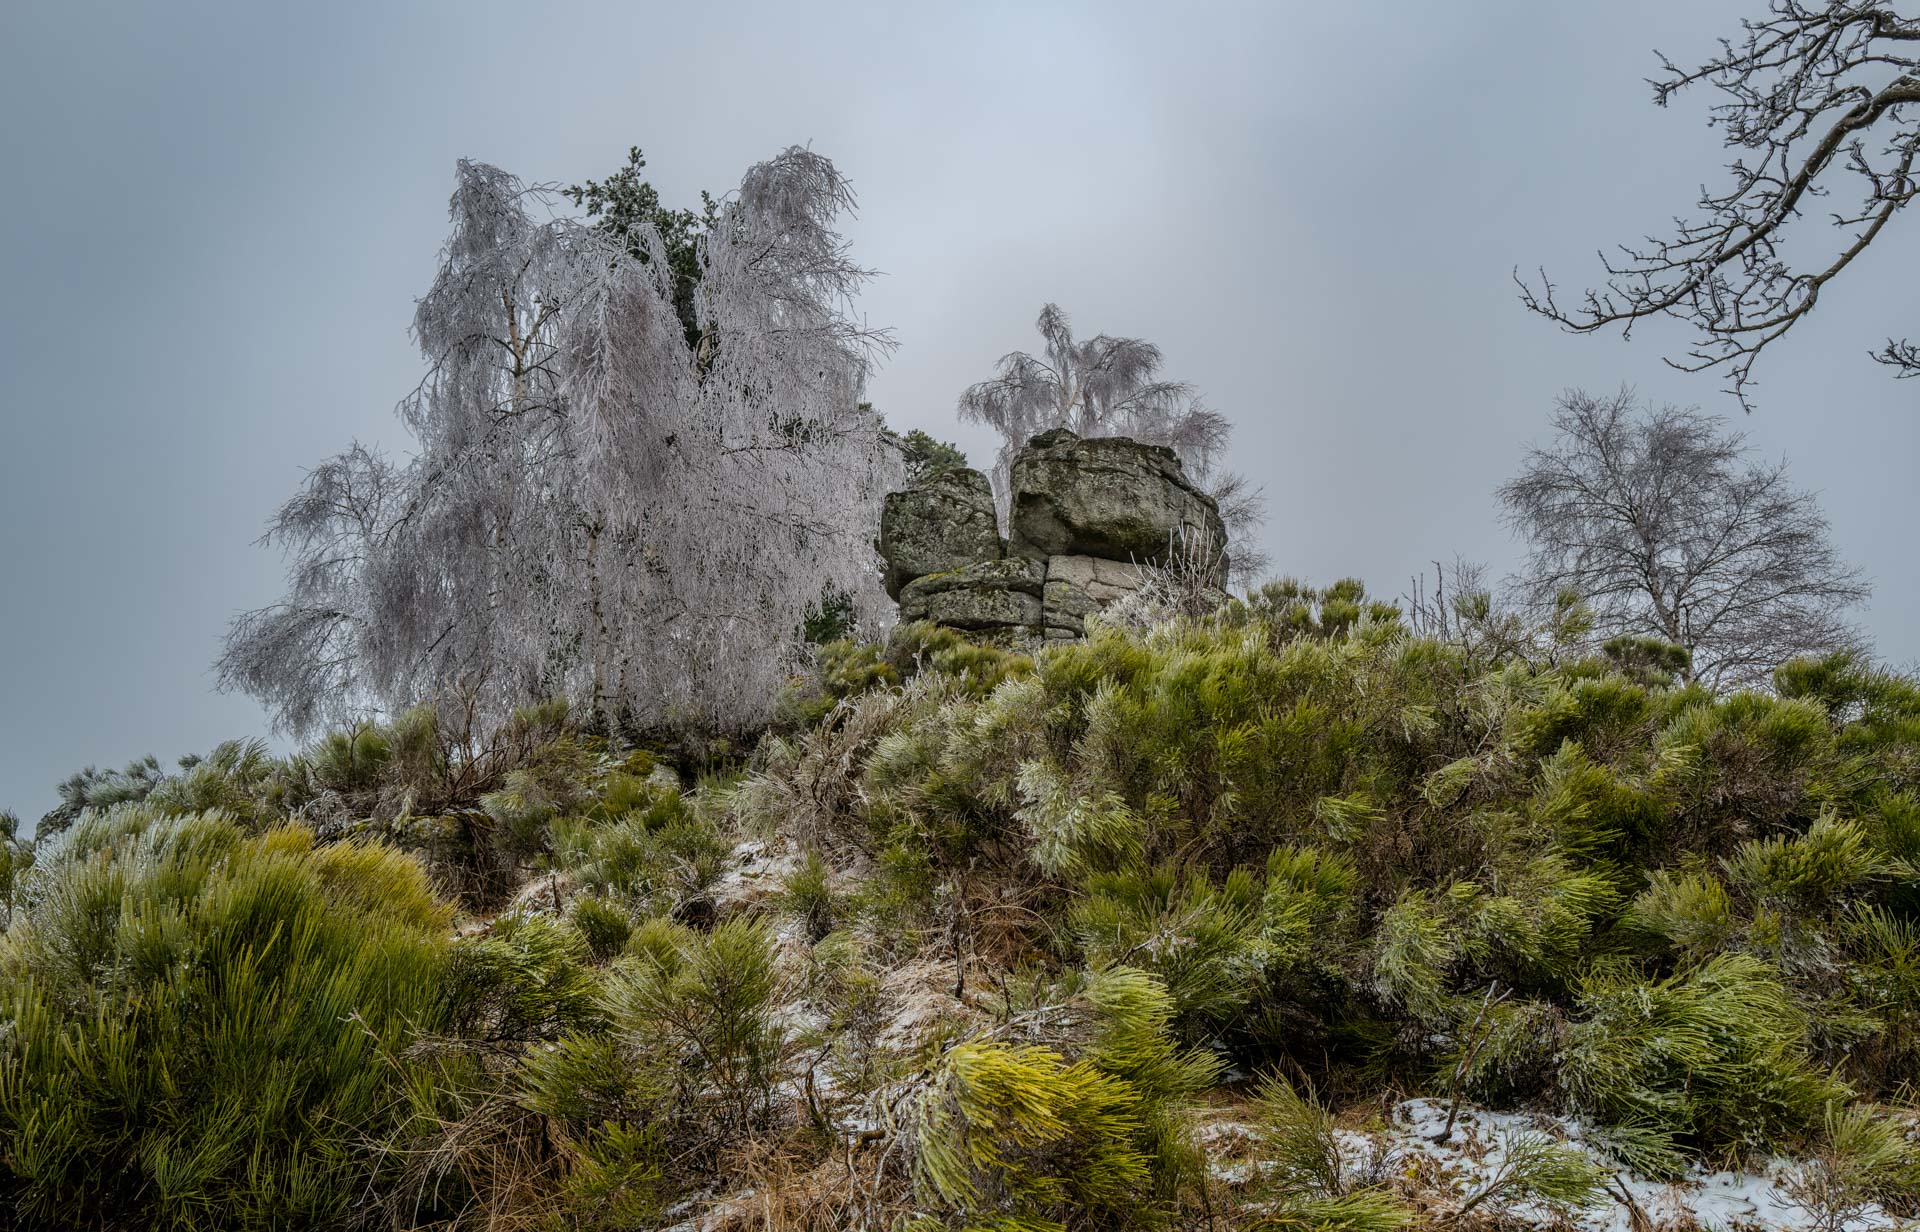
495 1167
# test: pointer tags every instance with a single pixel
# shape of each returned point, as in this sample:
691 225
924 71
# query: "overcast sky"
217 218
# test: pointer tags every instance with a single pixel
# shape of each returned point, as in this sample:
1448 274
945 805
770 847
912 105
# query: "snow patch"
1471 1153
753 876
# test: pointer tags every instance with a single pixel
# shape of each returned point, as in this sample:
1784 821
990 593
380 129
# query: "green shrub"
96 789
239 778
526 980
625 794
1821 909
607 1112
1432 945
1293 609
1885 948
605 925
1652 661
658 857
1746 766
1024 1136
1866 1161
848 990
203 1023
807 894
1132 1038
977 667
841 669
1592 812
16 859
522 810
703 1004
1016 1137
481 1140
829 618
926 455
1532 1168
1414 951
1307 1179
1691 911
473 805
1199 940
1717 1055
1802 873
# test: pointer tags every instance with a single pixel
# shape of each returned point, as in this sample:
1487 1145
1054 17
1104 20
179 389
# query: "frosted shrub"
1718 1055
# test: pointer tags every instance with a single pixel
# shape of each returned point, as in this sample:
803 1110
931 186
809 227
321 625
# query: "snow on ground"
754 873
920 1004
1473 1151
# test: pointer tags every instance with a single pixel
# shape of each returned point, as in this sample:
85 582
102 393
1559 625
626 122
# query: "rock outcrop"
944 522
1079 585
985 595
1089 518
1106 497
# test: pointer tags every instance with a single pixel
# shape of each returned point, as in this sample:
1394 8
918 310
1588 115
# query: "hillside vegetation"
1232 921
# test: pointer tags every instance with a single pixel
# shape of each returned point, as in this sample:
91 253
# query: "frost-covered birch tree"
1107 386
600 506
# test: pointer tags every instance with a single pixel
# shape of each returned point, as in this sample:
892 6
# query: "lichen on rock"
985 595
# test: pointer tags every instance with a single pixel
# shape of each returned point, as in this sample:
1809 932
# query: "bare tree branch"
1820 94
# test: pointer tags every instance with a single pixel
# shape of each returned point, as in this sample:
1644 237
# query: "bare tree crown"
1819 98
1664 523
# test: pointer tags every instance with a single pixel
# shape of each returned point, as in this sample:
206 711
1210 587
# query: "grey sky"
219 215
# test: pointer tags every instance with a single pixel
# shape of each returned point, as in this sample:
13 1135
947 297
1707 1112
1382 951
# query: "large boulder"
1106 497
985 595
939 524
1090 519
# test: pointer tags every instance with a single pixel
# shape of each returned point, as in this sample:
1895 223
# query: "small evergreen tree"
16 858
627 209
926 455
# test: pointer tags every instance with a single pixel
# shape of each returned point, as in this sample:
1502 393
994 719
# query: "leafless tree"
1818 97
1661 520
1107 386
599 509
